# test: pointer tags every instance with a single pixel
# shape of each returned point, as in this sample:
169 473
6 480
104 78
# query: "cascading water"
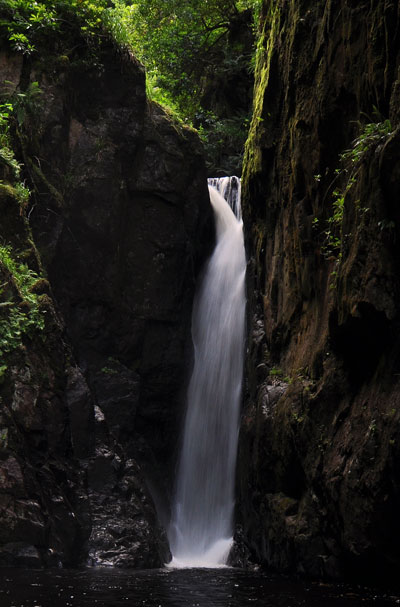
230 189
201 527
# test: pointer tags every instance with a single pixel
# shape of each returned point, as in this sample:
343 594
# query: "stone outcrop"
44 510
319 479
121 223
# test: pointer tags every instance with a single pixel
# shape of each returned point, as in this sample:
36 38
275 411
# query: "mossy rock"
6 192
40 287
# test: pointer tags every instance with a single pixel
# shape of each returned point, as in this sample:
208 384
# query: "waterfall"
201 527
230 189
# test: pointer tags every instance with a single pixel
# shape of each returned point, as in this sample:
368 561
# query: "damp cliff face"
121 235
118 224
44 509
318 463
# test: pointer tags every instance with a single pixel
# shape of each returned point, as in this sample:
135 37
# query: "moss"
40 287
265 47
8 161
7 191
45 302
62 60
286 505
52 190
109 371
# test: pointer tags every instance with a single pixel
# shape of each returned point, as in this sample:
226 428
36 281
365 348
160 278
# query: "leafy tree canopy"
196 52
198 56
28 24
179 41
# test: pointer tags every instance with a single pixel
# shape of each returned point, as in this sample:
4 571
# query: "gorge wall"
118 224
319 477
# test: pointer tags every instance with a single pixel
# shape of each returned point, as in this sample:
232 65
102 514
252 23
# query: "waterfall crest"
202 516
230 189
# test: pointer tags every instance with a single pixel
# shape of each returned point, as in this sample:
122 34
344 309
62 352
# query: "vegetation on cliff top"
181 41
195 54
28 25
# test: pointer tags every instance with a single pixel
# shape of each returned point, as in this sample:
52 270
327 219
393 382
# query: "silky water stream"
201 528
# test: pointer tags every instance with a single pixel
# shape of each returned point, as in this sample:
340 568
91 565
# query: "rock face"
319 477
123 254
121 222
44 509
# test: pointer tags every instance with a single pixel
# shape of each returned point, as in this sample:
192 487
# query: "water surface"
173 588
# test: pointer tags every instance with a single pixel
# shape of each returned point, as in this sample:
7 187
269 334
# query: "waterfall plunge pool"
99 587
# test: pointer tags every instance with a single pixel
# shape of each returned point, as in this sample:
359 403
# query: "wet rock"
22 520
80 406
11 478
328 287
117 390
125 530
123 244
20 554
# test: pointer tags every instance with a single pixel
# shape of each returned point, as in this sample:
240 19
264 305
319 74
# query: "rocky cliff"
117 223
319 476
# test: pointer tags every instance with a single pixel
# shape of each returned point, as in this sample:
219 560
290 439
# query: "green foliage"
161 96
187 46
28 24
25 103
184 44
20 313
19 306
20 43
6 153
117 20
7 157
9 112
372 135
222 136
178 41
276 372
23 193
279 374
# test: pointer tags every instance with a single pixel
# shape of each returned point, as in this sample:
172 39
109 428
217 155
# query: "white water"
230 189
201 527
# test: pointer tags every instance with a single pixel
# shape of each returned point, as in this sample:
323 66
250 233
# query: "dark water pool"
165 588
